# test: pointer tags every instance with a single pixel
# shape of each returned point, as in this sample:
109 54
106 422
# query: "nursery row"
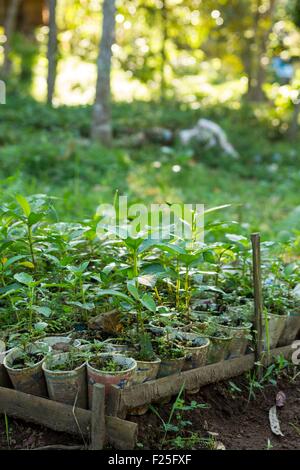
135 307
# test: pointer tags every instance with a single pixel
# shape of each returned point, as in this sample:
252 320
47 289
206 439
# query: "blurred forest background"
97 93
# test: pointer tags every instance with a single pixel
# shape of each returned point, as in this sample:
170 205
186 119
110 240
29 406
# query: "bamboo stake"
98 418
258 298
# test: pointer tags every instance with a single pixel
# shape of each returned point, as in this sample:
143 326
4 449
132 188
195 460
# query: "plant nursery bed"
106 421
120 401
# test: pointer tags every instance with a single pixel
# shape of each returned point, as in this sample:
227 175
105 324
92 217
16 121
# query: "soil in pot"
110 369
24 367
65 375
58 344
94 347
273 330
291 329
119 345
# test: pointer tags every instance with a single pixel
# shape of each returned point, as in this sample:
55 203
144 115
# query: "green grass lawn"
45 150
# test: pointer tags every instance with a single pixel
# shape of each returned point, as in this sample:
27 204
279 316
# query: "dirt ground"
228 418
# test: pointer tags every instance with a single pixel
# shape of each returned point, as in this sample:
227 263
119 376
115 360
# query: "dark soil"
25 436
107 365
28 360
232 419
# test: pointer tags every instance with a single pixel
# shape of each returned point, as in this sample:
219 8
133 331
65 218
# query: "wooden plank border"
155 390
120 434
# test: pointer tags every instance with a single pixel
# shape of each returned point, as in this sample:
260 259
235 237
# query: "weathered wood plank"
258 298
113 401
54 415
98 418
120 434
148 392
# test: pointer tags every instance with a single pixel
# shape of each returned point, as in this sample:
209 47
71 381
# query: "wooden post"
258 298
98 418
113 402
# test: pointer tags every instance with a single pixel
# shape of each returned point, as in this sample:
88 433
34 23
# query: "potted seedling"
171 355
275 315
121 345
109 369
148 364
58 344
65 375
24 367
94 346
292 325
195 347
166 319
147 361
77 277
220 342
236 322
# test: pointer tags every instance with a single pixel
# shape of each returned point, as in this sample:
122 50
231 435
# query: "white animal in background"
209 134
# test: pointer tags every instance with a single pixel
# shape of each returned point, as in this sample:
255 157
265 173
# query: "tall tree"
294 124
164 20
262 27
9 29
101 125
52 51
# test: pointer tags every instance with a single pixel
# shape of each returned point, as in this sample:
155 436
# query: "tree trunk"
101 125
164 19
258 49
294 126
52 51
9 29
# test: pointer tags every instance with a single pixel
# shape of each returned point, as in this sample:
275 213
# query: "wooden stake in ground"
258 298
98 418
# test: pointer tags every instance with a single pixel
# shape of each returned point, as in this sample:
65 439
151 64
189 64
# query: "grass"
44 150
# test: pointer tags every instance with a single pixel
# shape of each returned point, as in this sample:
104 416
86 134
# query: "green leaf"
133 290
45 311
114 293
148 302
13 260
148 280
170 248
213 209
34 218
24 278
40 326
24 204
27 264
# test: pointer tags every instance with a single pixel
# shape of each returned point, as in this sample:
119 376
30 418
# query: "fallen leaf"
274 422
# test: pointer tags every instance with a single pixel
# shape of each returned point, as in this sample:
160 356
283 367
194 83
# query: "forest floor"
229 419
44 150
